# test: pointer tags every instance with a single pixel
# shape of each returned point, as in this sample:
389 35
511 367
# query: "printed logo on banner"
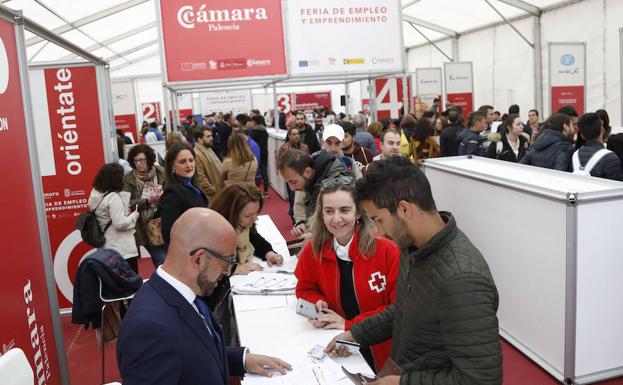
358 60
4 71
232 64
332 61
567 60
188 18
455 78
256 62
382 60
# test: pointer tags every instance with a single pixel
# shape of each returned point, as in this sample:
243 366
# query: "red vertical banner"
76 151
390 97
26 312
464 100
127 124
182 114
567 75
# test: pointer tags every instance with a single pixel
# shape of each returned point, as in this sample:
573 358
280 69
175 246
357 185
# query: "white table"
278 331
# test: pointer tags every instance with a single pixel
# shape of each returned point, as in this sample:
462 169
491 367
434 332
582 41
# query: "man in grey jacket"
362 136
443 321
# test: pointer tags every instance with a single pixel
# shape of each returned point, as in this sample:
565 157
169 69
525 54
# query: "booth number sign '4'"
389 97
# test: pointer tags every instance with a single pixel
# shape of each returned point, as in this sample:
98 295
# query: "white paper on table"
288 266
251 303
302 374
263 283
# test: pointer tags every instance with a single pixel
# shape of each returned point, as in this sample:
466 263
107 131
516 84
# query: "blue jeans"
158 253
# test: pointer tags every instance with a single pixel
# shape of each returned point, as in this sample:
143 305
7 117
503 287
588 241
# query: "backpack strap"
576 161
592 162
498 147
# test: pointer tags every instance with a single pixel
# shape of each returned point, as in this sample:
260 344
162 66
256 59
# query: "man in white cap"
332 137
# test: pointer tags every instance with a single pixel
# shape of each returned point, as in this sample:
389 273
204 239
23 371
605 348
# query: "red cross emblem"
377 282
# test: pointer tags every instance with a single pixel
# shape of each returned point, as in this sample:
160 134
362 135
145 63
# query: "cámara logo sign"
188 17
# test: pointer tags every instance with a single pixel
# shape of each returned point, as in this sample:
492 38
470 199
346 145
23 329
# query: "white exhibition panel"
276 138
519 219
458 77
123 98
567 64
428 81
529 274
370 34
41 120
599 283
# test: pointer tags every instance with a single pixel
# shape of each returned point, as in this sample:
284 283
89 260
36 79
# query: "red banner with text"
78 153
26 312
213 39
568 96
127 123
464 100
307 102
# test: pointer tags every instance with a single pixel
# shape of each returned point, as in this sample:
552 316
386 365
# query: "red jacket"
375 283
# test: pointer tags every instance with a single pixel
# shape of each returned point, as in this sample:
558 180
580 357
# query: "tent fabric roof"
124 32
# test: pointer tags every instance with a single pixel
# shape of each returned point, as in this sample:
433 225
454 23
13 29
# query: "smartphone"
306 309
352 347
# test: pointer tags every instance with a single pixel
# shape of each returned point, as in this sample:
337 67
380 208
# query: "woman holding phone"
347 272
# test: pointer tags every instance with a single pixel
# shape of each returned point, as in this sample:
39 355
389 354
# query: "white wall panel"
580 22
478 48
614 10
513 74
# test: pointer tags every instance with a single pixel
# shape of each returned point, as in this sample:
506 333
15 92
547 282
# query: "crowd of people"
357 201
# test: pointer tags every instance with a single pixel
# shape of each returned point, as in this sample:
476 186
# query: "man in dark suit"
168 335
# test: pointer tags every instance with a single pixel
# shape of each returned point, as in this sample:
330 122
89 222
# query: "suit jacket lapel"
190 317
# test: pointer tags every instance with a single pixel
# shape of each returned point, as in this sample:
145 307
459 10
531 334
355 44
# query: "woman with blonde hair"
345 270
240 165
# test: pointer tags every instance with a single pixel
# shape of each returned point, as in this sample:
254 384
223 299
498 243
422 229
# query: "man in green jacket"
443 322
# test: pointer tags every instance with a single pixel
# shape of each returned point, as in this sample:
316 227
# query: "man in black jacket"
260 135
448 138
553 147
307 133
443 322
608 166
222 132
304 175
470 141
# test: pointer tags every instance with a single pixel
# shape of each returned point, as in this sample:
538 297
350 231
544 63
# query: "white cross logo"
377 282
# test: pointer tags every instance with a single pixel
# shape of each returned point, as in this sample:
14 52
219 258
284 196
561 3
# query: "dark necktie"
205 315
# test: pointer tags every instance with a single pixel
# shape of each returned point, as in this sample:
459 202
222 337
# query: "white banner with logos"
458 77
567 61
369 31
226 101
428 81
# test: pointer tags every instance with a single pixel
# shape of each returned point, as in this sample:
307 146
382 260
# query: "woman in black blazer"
180 193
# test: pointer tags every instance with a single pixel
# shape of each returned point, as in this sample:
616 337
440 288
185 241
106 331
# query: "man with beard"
307 133
207 165
169 336
443 321
361 156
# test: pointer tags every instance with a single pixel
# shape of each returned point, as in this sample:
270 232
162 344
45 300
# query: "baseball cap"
333 130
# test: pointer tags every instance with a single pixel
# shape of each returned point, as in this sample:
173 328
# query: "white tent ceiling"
125 33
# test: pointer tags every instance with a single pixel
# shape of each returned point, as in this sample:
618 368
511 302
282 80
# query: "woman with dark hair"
423 144
113 217
145 183
345 270
510 145
554 146
240 165
180 193
240 204
605 123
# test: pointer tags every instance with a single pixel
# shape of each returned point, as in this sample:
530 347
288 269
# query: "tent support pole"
509 24
455 49
429 41
538 65
346 98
